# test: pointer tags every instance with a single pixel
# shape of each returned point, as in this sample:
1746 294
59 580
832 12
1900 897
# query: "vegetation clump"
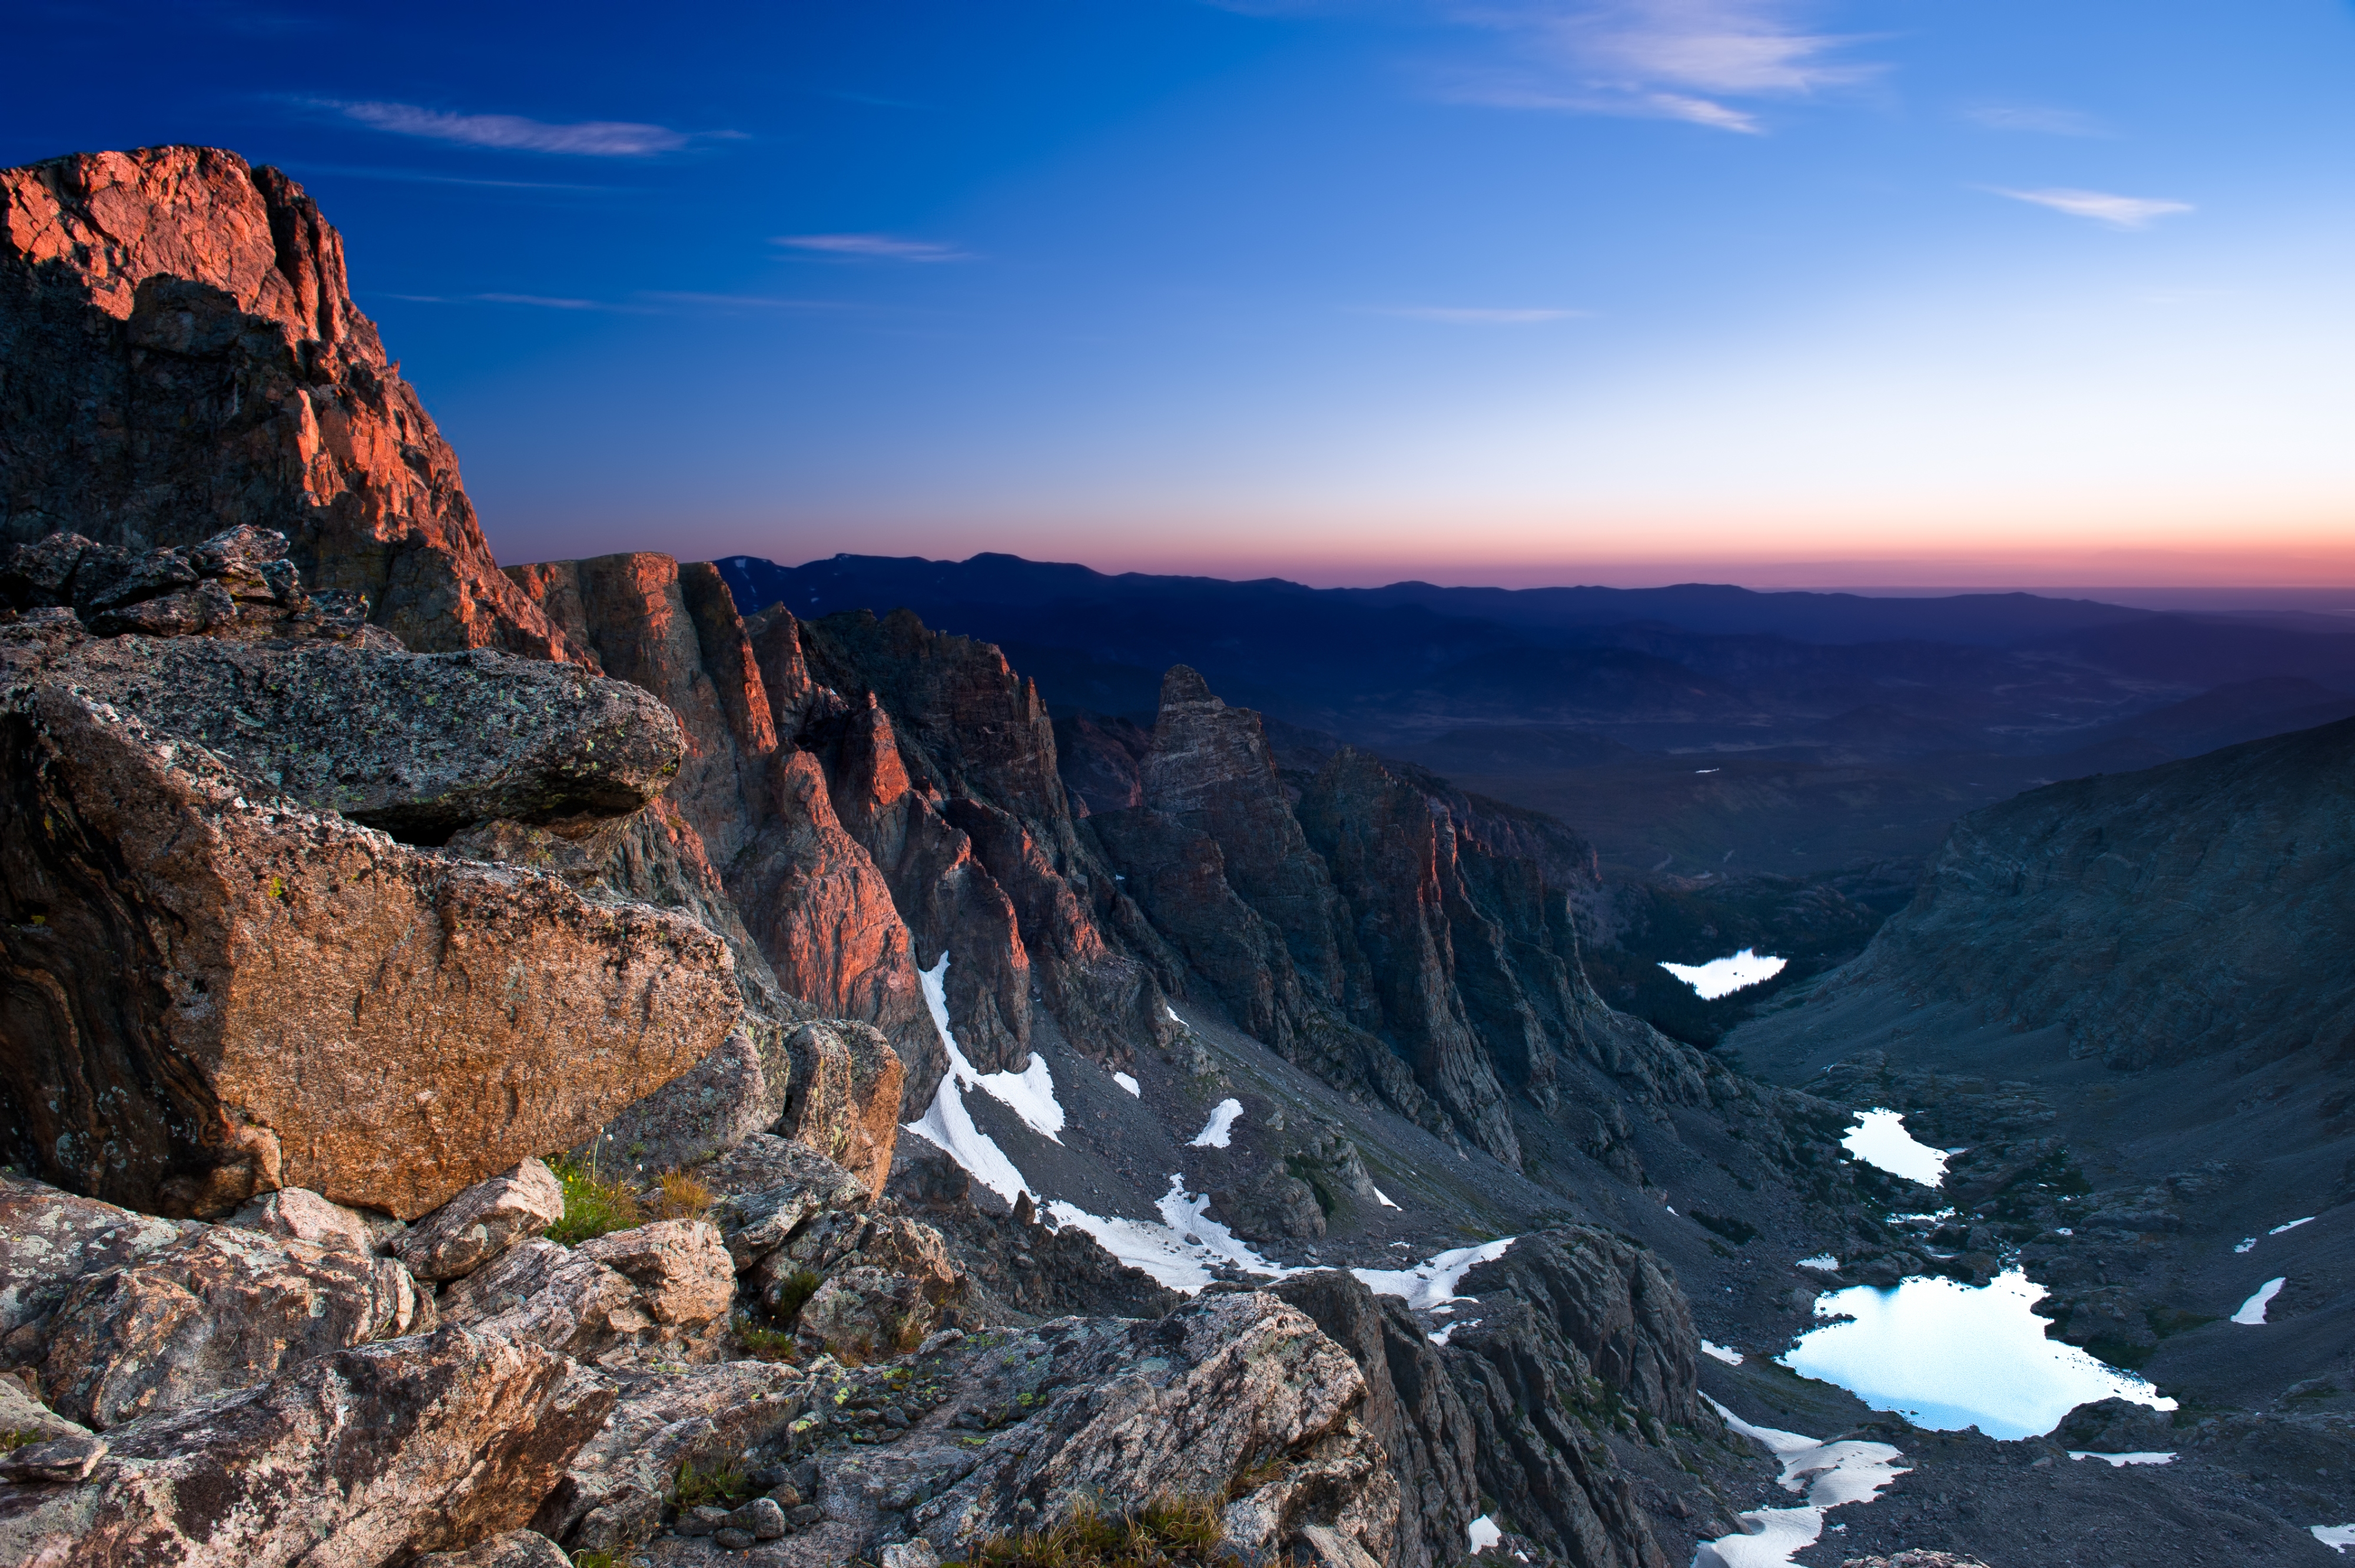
723 1485
679 1196
1164 1533
593 1204
12 1441
763 1343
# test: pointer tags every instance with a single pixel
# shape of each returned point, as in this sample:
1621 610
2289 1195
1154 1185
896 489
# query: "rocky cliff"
179 354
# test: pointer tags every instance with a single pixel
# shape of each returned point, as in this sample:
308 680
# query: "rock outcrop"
220 1310
218 991
654 1292
179 354
368 1456
846 1095
481 1223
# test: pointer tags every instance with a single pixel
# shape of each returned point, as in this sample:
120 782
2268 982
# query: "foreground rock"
239 994
482 1222
365 1456
845 1099
48 1240
220 1310
659 1291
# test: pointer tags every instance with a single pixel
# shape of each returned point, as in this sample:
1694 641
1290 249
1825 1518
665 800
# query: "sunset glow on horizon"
1783 293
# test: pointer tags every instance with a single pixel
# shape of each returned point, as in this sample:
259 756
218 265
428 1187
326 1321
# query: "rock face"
653 1292
2104 905
481 1223
418 746
222 1309
366 1456
49 1239
1223 1387
845 1099
239 993
303 1215
1564 1317
180 354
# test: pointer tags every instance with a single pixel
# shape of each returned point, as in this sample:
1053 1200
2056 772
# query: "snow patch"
2246 1244
1215 1132
1180 1251
1383 1199
1444 1334
1724 976
1434 1283
2253 1310
2338 1537
2291 1226
2117 1459
1484 1534
1031 1095
1830 1474
947 1124
1879 1138
1125 1082
1822 1260
1718 1352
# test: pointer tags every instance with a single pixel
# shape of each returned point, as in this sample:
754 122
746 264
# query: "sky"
1997 294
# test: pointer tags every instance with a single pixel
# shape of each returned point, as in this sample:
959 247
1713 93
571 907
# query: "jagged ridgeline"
461 1024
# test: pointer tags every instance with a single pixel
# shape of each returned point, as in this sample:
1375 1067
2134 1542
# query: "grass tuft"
723 1484
593 1204
1164 1533
12 1441
766 1345
681 1197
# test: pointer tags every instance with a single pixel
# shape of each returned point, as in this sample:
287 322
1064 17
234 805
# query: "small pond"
1945 1356
1724 976
1879 1137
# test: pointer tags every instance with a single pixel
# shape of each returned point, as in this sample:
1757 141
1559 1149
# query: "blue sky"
1890 291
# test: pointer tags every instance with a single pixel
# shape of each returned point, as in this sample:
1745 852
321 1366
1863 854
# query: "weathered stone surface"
510 1549
769 1186
867 1314
1273 1206
481 1223
844 1098
419 745
239 994
1185 1406
222 1309
1043 1273
707 1110
180 355
48 1240
1570 1322
1411 1410
361 1457
235 586
659 1291
300 1214
20 1412
613 1494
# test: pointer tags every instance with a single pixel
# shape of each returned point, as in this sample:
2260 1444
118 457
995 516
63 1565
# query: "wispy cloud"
587 138
2117 211
2037 118
419 177
1474 315
873 246
1676 60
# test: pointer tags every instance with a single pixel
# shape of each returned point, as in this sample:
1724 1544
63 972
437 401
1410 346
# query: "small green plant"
1162 1534
766 1345
593 1204
794 1292
723 1484
12 1441
585 1559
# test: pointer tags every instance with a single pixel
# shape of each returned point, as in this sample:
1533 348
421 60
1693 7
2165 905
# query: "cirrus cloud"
587 138
2117 211
873 246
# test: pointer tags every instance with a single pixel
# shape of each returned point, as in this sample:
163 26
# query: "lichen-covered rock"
660 1291
481 1223
420 746
360 1457
845 1097
509 1549
865 1314
48 1240
1229 1388
237 585
300 1214
615 1492
180 355
20 1412
769 1186
707 1110
237 993
222 1309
